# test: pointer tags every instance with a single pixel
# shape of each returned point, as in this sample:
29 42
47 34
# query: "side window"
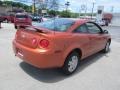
92 28
81 29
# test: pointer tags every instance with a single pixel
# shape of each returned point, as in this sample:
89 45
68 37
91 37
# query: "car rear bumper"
22 24
38 58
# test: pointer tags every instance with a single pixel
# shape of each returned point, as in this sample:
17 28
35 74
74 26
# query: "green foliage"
65 14
16 4
1 3
87 14
53 13
74 15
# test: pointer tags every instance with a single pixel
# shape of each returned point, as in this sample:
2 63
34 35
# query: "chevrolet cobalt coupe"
60 43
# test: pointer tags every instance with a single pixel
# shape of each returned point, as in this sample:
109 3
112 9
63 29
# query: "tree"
53 12
66 14
1 3
16 4
53 5
49 5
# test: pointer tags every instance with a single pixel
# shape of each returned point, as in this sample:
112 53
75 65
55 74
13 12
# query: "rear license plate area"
19 52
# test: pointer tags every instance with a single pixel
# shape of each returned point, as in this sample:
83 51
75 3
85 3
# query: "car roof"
76 21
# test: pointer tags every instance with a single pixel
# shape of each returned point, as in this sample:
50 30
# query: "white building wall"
116 19
5 9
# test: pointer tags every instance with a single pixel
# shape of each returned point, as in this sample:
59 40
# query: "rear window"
56 24
21 16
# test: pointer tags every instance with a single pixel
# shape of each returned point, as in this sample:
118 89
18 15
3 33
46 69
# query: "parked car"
1 18
7 17
107 17
4 17
12 17
46 17
22 20
60 43
35 18
101 22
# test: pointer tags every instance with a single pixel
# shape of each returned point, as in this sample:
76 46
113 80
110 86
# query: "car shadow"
90 60
55 75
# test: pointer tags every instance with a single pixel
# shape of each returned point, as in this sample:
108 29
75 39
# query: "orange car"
60 43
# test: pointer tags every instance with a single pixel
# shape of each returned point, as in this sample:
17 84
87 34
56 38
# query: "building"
10 10
5 9
116 19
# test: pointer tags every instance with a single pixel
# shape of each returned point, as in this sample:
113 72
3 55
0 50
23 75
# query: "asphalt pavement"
114 31
97 72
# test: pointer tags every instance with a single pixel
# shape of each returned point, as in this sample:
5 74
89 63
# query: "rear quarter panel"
65 43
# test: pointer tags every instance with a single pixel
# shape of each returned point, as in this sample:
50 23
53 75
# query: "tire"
107 24
15 27
71 63
6 20
107 47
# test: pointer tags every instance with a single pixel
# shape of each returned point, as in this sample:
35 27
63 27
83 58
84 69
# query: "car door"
96 36
82 39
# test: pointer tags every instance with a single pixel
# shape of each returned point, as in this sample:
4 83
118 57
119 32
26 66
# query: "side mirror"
105 32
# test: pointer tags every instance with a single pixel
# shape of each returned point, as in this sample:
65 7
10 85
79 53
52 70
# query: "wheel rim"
73 63
107 46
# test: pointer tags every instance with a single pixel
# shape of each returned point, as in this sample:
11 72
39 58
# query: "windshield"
21 16
56 24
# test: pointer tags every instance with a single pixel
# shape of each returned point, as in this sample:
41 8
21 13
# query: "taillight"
44 43
34 41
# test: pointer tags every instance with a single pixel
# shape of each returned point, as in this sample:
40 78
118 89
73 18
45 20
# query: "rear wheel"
71 63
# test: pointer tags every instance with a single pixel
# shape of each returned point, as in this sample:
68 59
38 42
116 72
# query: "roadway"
97 72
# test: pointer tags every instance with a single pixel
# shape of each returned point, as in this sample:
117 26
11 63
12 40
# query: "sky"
109 5
75 5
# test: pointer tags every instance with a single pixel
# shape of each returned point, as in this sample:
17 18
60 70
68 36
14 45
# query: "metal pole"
34 7
112 9
79 13
92 10
85 11
67 4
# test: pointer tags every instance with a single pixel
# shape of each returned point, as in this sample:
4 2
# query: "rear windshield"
56 24
21 16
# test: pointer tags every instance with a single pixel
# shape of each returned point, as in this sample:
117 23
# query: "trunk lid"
30 36
26 38
21 20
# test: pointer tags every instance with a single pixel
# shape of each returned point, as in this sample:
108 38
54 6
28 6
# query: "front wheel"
15 27
71 63
107 47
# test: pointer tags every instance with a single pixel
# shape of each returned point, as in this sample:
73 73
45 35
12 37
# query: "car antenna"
54 18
